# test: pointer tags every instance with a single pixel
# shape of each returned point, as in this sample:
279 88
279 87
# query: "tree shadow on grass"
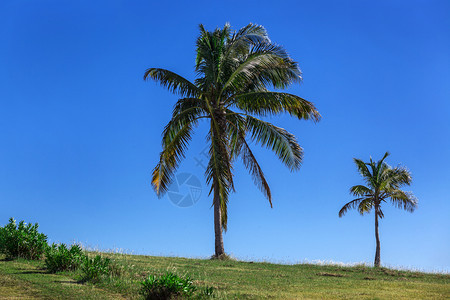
30 272
7 259
68 282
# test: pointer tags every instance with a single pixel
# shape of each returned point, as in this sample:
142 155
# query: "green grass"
24 279
231 280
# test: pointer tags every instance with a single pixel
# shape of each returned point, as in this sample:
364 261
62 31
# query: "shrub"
22 240
94 268
61 258
166 286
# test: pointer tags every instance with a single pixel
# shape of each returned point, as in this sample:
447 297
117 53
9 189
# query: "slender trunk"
217 222
216 134
377 252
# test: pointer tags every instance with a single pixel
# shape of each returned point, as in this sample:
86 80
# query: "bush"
61 258
22 240
167 286
94 268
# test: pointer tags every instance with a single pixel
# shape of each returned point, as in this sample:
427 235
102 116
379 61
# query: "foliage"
22 240
235 70
61 258
94 268
166 286
383 184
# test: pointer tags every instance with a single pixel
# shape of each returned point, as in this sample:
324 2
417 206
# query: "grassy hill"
231 280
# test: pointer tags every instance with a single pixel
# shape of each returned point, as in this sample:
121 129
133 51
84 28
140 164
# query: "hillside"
231 280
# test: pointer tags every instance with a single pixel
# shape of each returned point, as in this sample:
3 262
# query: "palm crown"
234 71
383 184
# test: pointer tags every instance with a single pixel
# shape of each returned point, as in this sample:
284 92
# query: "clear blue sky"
80 130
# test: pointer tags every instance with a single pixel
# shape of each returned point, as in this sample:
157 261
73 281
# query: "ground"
21 279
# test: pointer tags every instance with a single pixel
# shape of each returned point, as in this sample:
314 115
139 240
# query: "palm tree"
234 71
383 183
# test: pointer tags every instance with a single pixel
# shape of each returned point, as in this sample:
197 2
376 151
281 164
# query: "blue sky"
80 130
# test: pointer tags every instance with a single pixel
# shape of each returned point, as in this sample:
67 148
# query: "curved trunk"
377 251
217 222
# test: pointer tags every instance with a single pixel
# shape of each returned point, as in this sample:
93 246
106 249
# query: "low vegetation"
70 272
61 258
95 268
22 240
167 286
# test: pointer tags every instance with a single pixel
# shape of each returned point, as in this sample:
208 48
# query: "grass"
24 279
231 280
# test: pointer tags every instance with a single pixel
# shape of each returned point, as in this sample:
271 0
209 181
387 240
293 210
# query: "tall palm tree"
383 183
234 71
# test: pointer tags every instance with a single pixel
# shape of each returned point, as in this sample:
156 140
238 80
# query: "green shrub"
61 258
94 268
166 286
22 240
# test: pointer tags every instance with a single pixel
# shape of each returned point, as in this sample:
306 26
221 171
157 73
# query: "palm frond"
255 170
176 135
380 162
210 48
186 110
365 206
238 46
350 205
265 64
173 82
251 34
379 169
404 200
170 157
272 103
236 130
240 147
380 213
361 190
364 171
283 143
399 176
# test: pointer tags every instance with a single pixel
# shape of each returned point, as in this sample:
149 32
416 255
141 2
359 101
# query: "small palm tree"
234 71
383 183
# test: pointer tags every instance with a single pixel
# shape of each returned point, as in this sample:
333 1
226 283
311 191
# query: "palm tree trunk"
377 252
217 222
